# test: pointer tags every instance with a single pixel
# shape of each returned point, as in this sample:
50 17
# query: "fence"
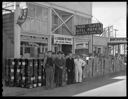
99 66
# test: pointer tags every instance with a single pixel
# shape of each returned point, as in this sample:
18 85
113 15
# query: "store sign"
62 40
118 39
88 29
34 39
82 45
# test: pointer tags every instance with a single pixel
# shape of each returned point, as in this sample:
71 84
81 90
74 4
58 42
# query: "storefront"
33 45
82 45
43 22
62 43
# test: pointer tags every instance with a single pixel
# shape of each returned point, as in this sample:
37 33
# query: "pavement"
67 90
114 89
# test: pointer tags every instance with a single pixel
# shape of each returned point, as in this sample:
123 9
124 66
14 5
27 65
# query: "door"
66 49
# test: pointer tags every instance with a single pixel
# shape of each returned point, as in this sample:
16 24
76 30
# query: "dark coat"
70 64
59 62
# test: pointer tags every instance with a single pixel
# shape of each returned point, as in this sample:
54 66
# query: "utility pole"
115 32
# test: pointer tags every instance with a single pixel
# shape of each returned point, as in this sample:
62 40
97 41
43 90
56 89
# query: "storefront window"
33 49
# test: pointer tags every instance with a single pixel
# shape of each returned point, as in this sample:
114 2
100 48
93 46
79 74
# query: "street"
102 86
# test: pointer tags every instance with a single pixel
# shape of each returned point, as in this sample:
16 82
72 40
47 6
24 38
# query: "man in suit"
70 66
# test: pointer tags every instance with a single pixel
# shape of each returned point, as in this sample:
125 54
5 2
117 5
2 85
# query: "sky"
111 13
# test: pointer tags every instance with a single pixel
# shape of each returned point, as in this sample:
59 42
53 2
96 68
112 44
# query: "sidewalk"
15 91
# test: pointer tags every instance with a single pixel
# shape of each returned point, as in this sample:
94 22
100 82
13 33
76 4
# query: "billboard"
89 29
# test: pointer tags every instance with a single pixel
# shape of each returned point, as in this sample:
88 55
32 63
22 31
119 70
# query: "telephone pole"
115 32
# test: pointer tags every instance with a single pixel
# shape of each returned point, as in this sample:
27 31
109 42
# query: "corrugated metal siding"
8 35
8 25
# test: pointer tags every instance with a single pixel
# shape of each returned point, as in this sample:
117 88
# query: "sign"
82 45
118 39
88 29
34 39
23 13
61 39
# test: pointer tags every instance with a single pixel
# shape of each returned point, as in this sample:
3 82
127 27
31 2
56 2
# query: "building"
49 26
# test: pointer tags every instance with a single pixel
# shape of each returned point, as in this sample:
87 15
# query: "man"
78 68
48 63
59 63
54 56
70 66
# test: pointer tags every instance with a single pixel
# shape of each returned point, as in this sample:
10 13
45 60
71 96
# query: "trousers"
49 77
78 74
70 77
59 75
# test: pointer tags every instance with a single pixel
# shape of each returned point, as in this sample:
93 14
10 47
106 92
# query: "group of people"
56 63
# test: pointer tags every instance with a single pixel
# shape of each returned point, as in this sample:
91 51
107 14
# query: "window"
39 12
99 50
31 10
55 19
27 50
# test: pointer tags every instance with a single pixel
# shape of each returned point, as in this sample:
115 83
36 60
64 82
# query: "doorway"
66 49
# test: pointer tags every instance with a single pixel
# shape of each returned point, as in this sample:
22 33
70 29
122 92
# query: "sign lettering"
88 29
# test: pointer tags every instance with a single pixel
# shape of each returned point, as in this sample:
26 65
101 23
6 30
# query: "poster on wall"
89 29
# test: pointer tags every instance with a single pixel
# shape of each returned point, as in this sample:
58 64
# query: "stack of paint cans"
23 72
11 64
17 72
6 72
35 67
29 73
43 76
26 73
40 66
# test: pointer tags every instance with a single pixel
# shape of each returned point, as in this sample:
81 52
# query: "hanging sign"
23 13
88 29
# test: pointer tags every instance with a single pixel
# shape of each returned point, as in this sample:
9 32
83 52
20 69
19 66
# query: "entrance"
66 49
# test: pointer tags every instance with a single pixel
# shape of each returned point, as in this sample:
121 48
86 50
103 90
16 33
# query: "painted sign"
88 29
61 39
